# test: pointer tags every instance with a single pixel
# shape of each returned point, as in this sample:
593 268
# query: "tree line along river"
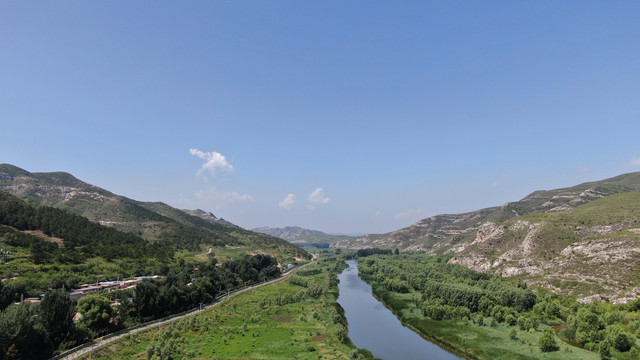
374 327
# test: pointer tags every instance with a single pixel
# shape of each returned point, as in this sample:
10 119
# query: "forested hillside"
152 221
82 239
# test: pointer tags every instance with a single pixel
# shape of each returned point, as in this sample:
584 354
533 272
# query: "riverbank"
441 342
471 340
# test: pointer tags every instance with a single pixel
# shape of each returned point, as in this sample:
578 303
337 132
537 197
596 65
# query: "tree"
552 309
620 340
605 350
19 337
56 316
97 313
5 296
41 251
144 301
547 342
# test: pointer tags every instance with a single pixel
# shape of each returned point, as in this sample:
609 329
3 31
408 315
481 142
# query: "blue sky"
341 116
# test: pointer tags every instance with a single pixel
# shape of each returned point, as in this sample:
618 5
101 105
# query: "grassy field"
253 326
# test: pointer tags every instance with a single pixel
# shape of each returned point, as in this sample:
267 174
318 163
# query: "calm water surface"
374 327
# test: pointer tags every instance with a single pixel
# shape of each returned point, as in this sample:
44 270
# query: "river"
374 327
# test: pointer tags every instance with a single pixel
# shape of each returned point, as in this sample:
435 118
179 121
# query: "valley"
516 274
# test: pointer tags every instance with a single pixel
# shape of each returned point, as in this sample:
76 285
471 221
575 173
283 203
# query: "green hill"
45 251
153 221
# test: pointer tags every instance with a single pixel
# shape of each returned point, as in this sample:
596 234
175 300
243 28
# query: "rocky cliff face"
592 263
582 240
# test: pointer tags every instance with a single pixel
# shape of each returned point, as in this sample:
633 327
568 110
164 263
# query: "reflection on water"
374 327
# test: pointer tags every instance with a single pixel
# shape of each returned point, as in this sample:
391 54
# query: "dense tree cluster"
49 325
451 285
82 239
372 251
319 245
448 291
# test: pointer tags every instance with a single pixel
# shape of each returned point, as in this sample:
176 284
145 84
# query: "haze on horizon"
344 117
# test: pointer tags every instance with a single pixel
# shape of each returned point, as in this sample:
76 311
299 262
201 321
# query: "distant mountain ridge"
298 235
434 234
288 232
153 221
539 238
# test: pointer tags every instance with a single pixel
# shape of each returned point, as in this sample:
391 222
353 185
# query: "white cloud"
213 161
409 213
376 215
212 196
318 197
635 161
287 203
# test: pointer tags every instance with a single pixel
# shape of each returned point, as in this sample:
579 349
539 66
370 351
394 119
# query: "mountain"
582 240
153 221
53 233
300 236
288 232
207 216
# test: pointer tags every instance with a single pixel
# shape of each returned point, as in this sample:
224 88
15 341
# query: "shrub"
605 350
547 342
622 341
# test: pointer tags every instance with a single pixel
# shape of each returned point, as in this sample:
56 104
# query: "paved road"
100 342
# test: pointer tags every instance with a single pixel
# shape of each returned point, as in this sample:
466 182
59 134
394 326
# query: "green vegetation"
71 250
182 289
487 317
47 251
527 238
82 238
152 221
255 325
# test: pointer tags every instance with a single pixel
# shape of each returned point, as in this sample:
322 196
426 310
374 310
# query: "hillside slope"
591 251
581 240
207 216
153 221
440 233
